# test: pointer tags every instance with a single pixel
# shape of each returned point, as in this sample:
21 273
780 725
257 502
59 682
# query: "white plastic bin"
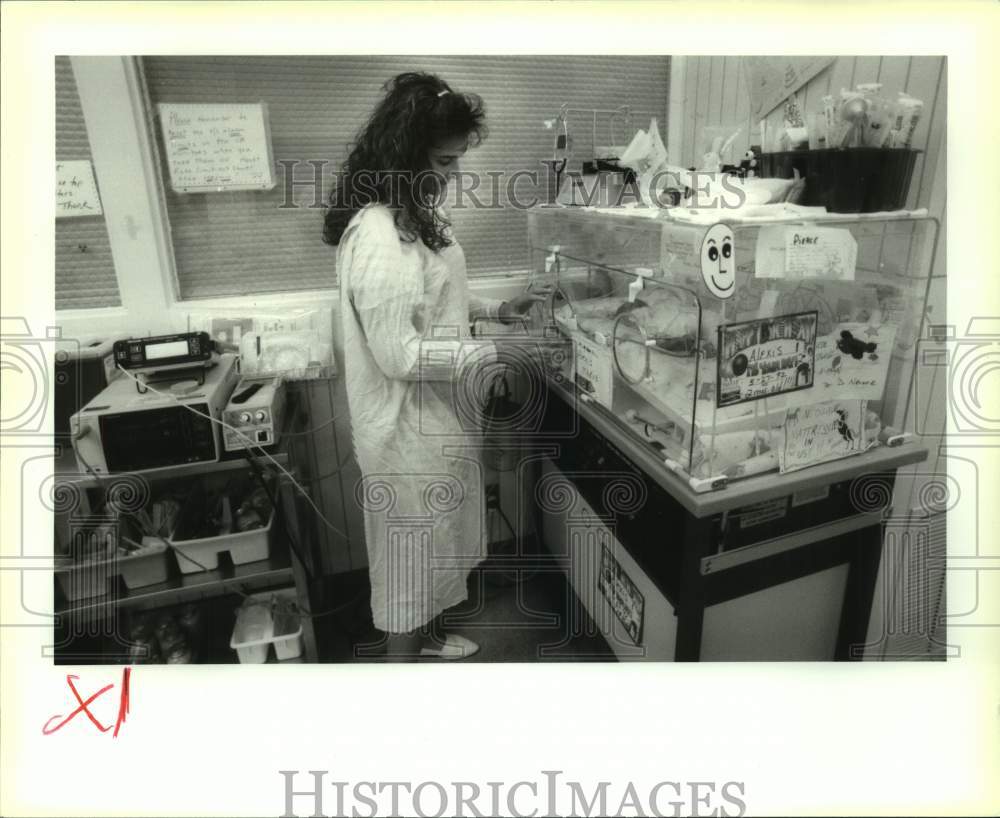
252 634
145 567
93 576
257 628
243 547
287 630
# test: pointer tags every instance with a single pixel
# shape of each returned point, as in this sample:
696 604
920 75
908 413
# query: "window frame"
115 106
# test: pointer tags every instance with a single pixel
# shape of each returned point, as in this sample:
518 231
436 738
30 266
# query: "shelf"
66 472
202 585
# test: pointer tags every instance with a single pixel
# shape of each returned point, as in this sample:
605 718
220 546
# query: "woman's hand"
522 302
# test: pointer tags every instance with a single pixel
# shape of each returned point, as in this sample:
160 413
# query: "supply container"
146 566
265 619
847 180
252 634
203 554
287 627
98 557
236 517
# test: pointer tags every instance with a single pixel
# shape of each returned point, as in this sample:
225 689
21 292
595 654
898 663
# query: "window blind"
85 270
243 243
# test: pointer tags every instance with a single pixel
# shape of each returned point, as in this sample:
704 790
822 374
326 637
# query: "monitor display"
171 349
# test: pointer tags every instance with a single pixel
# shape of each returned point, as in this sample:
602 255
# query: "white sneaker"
453 647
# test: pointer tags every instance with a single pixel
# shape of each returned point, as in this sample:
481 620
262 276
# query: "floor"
525 615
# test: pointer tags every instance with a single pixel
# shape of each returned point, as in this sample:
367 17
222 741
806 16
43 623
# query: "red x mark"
83 706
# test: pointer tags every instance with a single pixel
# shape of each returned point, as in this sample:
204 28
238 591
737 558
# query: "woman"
406 309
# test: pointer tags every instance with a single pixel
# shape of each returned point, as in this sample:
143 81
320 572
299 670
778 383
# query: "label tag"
592 369
764 512
806 496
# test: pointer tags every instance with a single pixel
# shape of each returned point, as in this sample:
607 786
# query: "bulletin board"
772 80
217 147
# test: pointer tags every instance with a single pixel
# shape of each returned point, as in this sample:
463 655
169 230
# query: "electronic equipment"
120 430
256 410
83 368
162 351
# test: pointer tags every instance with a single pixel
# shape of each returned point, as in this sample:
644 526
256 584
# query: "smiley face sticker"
718 261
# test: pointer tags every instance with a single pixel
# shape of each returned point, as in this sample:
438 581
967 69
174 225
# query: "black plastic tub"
847 180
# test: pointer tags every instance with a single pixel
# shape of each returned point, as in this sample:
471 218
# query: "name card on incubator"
802 251
765 357
592 369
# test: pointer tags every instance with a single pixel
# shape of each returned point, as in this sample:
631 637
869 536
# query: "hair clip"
442 93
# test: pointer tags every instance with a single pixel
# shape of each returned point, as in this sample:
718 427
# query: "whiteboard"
76 190
217 147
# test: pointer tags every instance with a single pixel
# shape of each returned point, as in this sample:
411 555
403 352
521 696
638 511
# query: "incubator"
740 346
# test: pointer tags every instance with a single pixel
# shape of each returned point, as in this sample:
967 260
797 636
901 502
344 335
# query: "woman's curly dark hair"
389 160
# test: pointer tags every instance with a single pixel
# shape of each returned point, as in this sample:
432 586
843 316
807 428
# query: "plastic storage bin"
243 547
147 566
287 636
252 633
98 564
258 626
213 505
848 180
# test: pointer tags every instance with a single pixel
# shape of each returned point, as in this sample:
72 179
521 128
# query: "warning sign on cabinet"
622 594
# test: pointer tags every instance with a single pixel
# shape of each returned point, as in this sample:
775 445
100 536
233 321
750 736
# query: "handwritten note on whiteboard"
76 190
217 147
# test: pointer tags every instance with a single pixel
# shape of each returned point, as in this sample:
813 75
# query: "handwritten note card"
76 190
217 147
853 361
820 252
799 252
825 431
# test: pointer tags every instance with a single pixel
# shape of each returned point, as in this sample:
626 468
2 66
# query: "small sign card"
806 251
622 594
76 190
820 432
768 356
592 370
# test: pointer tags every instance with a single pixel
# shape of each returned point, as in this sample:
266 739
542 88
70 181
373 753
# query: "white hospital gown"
406 313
